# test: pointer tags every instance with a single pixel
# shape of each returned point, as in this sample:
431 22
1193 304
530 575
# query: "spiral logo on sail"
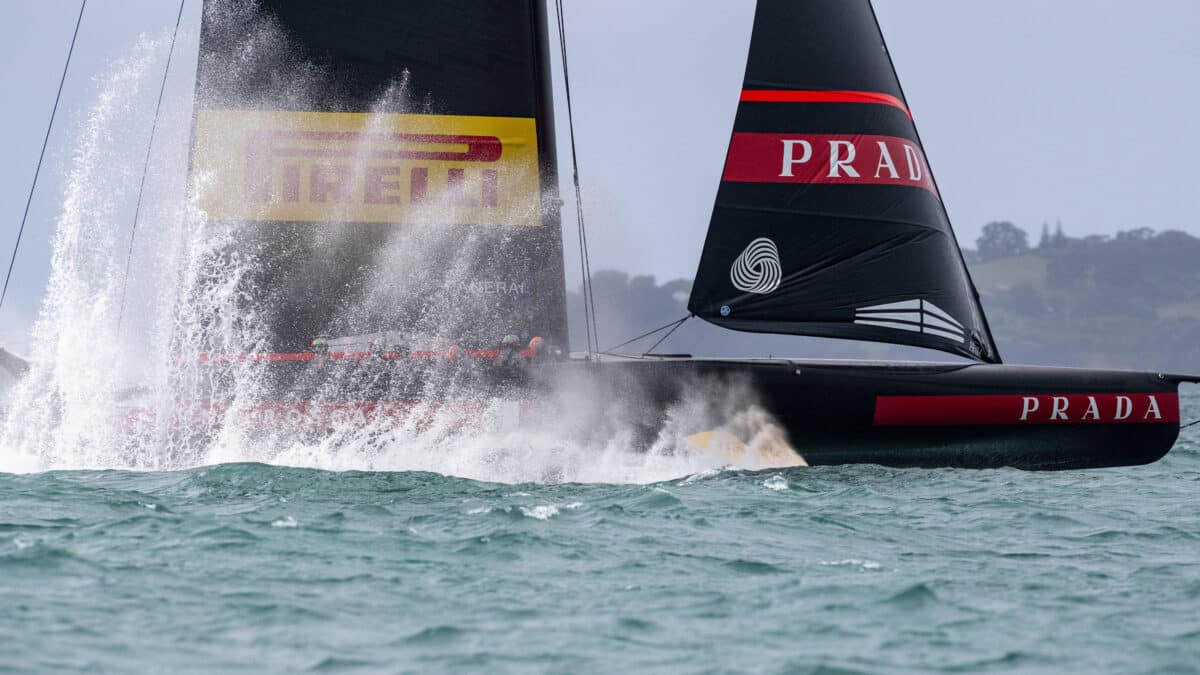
757 269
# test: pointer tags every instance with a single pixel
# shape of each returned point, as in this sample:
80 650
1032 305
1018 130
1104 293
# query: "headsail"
390 165
828 221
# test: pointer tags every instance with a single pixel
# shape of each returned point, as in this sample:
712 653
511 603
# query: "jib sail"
828 221
389 166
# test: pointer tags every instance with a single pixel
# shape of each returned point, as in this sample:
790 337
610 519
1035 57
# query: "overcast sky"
1031 111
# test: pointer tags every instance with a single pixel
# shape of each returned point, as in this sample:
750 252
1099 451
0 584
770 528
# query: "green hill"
1005 274
1129 301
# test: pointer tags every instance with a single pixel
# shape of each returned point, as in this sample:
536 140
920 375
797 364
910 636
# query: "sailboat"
405 221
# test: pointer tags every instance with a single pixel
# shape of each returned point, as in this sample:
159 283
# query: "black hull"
974 416
966 416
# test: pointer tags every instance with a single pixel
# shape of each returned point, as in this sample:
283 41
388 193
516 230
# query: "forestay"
828 221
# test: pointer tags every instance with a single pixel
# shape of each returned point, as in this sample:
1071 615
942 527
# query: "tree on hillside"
1044 242
1140 234
1001 240
1060 237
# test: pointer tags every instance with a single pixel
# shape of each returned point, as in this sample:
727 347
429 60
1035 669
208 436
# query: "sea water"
858 569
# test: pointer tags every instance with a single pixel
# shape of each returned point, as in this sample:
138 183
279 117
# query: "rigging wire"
45 142
672 325
585 268
137 212
1189 425
663 339
993 355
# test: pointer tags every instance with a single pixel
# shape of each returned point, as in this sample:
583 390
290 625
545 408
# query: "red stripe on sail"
1020 409
808 96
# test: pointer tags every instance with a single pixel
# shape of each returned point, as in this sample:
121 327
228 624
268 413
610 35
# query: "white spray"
87 404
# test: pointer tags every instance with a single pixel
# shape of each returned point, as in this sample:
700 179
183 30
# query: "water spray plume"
196 383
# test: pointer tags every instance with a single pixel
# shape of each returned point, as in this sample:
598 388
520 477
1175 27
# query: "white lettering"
837 163
1153 410
885 161
1124 408
789 156
1030 405
1060 408
914 163
1093 411
495 287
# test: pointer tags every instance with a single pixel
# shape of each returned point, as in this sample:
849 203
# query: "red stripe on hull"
354 356
1025 409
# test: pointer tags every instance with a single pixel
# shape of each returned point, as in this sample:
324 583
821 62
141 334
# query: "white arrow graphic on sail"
757 269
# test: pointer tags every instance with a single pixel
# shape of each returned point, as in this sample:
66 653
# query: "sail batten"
826 166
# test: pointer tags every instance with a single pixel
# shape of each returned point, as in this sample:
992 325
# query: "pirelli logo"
358 167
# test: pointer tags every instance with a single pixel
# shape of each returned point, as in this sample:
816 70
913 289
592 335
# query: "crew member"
510 352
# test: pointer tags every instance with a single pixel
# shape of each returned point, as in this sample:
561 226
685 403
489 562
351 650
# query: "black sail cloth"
828 221
389 166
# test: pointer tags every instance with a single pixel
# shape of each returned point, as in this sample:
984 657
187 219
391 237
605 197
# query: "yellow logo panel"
359 167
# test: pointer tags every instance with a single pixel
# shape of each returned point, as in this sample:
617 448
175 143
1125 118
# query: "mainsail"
828 221
389 165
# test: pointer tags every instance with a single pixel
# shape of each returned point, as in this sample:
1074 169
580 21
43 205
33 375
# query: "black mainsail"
828 221
389 165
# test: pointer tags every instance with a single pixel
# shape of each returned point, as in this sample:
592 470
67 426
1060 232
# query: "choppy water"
829 570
